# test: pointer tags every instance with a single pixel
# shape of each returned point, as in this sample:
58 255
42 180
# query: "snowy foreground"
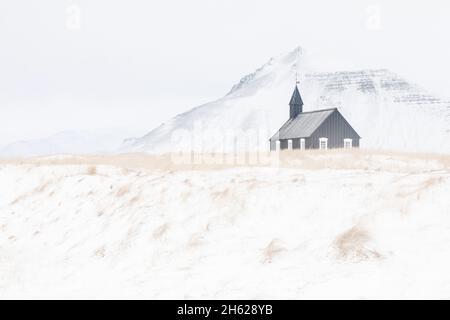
320 225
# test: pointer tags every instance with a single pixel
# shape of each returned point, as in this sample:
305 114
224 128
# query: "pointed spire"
296 98
296 103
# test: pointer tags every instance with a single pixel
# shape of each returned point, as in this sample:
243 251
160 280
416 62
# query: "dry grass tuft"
91 171
196 240
423 187
39 189
135 200
123 191
351 245
19 198
273 249
161 231
42 187
221 195
100 252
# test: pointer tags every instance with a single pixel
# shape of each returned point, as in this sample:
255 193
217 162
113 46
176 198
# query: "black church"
320 129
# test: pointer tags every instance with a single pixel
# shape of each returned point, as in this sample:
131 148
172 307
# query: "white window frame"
325 141
278 145
348 143
302 144
290 144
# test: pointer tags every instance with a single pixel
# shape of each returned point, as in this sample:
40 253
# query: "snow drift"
319 225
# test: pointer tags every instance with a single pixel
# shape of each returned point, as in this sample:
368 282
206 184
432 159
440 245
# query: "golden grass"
160 231
134 200
42 187
20 198
100 252
39 189
195 241
91 171
221 195
424 186
273 249
123 191
351 245
312 160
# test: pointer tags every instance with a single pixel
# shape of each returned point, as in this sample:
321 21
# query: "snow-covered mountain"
386 110
68 142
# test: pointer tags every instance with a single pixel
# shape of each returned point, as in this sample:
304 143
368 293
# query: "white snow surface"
388 112
321 225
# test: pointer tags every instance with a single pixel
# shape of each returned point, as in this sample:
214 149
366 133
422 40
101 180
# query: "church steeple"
296 103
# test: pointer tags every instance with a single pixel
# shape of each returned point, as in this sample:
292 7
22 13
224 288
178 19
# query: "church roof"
296 98
304 125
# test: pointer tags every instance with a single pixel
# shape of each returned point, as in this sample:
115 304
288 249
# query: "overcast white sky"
135 63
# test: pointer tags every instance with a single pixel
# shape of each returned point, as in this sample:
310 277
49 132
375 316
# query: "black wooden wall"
335 128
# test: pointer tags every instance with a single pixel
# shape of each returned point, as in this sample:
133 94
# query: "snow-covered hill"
321 225
68 142
387 111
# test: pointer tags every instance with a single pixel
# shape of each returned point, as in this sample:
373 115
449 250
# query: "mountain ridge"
405 116
68 142
389 112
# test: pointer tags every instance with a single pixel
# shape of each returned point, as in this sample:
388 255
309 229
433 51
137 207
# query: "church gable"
336 130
